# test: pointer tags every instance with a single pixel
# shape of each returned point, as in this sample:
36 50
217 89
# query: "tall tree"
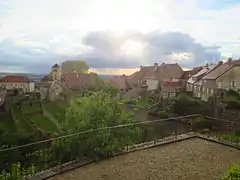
77 66
100 110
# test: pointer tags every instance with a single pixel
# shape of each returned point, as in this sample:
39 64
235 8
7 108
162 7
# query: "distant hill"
38 77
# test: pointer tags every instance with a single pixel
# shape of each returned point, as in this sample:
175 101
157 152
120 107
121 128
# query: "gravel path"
191 159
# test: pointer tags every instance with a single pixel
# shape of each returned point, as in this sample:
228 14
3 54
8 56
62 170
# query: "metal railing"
29 159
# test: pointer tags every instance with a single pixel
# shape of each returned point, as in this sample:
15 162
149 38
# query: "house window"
222 95
219 85
233 83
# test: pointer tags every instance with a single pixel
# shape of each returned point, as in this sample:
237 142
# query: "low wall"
151 144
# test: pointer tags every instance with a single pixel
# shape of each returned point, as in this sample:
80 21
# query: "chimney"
229 60
207 65
220 62
141 67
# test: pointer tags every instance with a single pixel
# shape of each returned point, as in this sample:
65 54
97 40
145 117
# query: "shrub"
17 172
233 173
183 105
98 111
163 114
200 123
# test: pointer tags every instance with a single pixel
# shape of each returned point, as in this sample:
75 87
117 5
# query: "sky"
116 36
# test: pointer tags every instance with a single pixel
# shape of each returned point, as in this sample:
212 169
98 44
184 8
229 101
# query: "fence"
27 160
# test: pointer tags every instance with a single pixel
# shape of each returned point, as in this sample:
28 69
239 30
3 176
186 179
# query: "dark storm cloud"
104 51
158 46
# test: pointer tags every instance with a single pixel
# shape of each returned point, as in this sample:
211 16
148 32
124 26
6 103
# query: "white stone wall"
26 87
152 84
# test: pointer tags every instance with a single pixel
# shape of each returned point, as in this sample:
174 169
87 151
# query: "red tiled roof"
221 69
122 82
15 79
164 72
139 75
79 80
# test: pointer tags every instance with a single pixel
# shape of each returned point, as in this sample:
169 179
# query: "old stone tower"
56 72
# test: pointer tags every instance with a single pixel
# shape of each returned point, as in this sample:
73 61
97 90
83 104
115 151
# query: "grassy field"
31 109
44 123
19 119
6 123
61 104
57 110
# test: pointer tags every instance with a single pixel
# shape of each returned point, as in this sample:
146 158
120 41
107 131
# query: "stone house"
187 76
129 88
170 88
159 74
56 72
167 78
124 83
194 83
17 82
225 76
51 91
3 93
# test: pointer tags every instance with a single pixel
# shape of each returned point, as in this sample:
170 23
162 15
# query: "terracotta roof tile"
122 82
79 80
162 72
165 72
139 75
15 79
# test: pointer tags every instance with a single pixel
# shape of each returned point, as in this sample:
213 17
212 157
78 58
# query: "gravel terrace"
190 159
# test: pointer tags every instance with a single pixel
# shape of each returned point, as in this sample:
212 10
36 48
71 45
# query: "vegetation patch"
62 104
184 105
32 109
233 173
56 111
233 137
44 123
141 102
20 120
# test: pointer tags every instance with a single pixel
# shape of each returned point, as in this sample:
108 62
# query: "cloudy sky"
116 36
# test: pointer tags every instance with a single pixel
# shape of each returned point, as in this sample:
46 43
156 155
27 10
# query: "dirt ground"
191 159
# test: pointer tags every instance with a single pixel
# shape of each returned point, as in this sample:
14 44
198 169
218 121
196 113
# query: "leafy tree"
233 173
74 66
184 104
232 103
110 89
100 110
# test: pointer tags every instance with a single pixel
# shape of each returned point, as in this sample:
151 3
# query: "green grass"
32 109
142 102
7 124
56 111
44 123
21 122
61 104
234 137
